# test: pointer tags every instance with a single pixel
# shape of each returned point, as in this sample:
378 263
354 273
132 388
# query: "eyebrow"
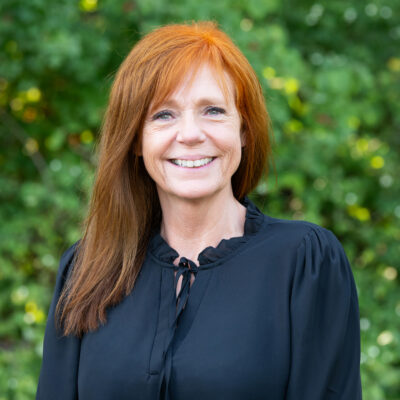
200 102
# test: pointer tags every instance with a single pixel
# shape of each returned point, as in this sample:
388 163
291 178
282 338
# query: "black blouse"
271 315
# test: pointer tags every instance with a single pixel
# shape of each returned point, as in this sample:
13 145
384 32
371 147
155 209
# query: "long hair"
124 206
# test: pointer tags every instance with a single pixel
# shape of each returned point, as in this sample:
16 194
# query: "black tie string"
185 269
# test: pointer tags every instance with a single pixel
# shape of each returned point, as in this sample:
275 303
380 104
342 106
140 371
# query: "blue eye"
162 115
215 111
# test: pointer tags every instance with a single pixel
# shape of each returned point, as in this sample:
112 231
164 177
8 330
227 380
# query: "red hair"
124 206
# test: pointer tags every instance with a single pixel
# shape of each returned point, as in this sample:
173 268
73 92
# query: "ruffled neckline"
163 252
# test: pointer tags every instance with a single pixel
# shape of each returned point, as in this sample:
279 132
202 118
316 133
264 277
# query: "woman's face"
191 143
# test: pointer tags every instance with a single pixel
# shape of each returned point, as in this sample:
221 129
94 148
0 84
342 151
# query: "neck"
189 226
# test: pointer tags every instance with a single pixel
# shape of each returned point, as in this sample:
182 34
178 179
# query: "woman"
180 287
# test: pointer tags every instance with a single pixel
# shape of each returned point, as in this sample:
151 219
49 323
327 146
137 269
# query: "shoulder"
301 245
317 253
295 233
313 257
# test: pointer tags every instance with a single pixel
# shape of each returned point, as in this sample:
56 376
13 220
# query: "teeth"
192 164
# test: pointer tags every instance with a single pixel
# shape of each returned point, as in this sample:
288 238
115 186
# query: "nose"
189 130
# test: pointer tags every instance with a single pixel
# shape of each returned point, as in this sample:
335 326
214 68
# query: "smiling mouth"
193 163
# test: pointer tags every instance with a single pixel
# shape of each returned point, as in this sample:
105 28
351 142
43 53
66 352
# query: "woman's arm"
59 372
325 331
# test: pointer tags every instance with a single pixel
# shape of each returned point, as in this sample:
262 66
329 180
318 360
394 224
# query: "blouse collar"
162 251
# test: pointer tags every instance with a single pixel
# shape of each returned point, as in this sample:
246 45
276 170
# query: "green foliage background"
331 73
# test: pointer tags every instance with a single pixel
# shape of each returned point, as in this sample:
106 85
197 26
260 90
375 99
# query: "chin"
195 192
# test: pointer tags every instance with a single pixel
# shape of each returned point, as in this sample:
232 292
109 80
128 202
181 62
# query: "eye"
214 111
163 115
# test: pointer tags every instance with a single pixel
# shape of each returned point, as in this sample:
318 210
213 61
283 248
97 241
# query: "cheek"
151 145
156 141
155 147
231 144
236 154
149 153
232 139
233 154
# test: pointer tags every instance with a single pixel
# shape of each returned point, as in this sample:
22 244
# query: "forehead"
204 80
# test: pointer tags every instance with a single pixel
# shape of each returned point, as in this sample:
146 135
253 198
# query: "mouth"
201 162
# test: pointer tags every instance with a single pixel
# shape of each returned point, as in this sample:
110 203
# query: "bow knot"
185 268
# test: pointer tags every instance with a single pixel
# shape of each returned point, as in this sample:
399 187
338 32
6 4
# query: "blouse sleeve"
58 375
325 330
